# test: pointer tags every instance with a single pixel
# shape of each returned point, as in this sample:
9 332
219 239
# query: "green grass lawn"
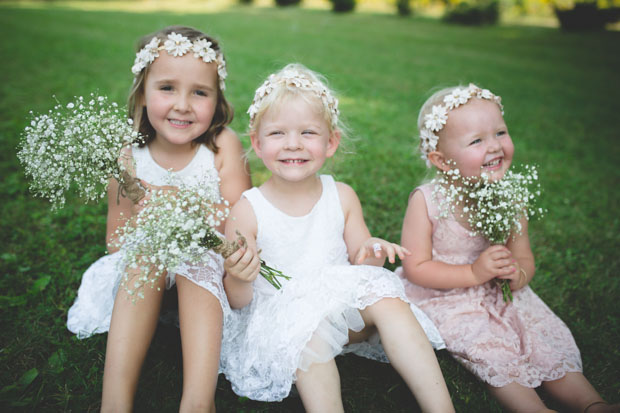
560 93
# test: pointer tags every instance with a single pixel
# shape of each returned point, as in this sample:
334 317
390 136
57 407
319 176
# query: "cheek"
207 110
317 147
509 149
154 104
266 149
471 155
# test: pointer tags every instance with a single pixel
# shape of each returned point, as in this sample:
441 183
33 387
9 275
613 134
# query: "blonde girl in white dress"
312 229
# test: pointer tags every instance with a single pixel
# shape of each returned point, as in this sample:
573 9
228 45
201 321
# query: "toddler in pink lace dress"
312 229
513 346
177 104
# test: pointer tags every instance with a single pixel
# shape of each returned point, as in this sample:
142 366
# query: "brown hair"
223 110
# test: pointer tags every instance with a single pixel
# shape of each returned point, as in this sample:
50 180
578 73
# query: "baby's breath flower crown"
292 77
178 45
435 120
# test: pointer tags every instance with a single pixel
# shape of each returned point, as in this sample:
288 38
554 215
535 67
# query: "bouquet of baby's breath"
78 143
83 143
176 226
493 209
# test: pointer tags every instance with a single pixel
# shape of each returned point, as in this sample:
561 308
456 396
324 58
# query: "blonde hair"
223 110
285 85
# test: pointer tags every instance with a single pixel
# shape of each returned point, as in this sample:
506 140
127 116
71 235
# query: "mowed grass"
561 99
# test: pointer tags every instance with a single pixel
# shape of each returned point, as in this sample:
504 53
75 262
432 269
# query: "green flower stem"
271 275
504 285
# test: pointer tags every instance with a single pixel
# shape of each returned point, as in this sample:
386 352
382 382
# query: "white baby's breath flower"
171 229
68 147
493 209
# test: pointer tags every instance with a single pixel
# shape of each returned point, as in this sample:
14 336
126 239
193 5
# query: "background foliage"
560 91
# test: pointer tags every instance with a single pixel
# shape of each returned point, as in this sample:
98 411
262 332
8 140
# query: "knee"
391 304
388 307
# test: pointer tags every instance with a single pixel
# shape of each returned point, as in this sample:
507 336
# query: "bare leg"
576 392
410 352
131 331
319 388
200 316
517 398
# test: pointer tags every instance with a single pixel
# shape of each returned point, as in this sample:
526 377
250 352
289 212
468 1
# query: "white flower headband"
437 118
178 45
294 78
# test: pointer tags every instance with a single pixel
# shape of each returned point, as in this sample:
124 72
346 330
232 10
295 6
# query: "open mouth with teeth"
293 161
493 164
179 123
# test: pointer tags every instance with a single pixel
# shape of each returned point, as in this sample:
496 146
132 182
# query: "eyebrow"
194 85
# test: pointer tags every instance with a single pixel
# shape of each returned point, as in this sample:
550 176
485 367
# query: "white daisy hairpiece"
293 77
435 120
178 45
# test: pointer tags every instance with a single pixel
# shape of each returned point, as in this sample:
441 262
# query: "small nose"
293 141
181 103
494 145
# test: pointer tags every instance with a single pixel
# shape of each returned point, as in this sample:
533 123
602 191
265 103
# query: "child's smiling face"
293 139
475 138
180 95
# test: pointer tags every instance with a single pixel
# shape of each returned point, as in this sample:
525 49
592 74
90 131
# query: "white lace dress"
308 319
91 312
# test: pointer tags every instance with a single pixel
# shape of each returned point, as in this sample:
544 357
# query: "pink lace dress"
501 343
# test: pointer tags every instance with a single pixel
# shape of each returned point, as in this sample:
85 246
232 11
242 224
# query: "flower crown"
291 78
179 45
437 118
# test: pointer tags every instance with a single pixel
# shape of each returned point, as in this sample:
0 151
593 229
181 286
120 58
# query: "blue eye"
500 133
475 141
201 93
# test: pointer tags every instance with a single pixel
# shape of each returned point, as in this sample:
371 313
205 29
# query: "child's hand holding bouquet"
493 209
85 143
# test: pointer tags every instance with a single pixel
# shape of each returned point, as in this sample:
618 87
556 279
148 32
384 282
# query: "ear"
333 143
439 160
255 143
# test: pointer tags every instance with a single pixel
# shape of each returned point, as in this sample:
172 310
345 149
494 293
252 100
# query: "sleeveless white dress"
308 319
91 312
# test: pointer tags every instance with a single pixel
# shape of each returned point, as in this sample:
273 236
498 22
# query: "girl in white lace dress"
515 346
177 103
311 228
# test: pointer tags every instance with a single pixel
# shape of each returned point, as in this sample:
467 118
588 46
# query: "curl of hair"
222 116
